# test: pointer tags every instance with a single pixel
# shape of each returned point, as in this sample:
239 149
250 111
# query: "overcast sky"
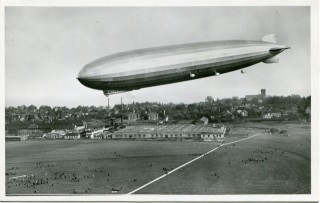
45 48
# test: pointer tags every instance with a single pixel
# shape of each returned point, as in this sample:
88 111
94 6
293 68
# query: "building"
175 131
20 128
226 114
276 115
72 136
55 134
38 135
267 116
33 128
97 134
153 116
92 125
133 116
106 135
61 132
117 121
202 121
263 93
260 96
80 126
66 126
216 135
294 110
272 115
16 138
308 111
243 112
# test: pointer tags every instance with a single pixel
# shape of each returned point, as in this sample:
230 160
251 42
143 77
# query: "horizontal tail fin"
279 49
271 60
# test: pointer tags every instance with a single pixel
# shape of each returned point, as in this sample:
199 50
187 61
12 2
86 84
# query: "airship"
136 69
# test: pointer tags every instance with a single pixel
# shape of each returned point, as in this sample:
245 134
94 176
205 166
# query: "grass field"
97 166
92 160
266 164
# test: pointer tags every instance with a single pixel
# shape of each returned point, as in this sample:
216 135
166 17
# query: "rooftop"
72 134
178 128
250 97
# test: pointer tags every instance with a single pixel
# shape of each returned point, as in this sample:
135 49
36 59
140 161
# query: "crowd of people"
29 181
118 155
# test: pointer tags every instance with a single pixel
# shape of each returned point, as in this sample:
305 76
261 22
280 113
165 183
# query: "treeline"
215 110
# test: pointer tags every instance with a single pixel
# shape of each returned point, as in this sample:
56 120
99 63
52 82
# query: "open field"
266 164
97 166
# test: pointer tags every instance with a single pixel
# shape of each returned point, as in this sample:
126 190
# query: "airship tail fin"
272 38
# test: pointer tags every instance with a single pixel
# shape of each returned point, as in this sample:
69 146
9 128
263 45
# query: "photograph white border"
314 5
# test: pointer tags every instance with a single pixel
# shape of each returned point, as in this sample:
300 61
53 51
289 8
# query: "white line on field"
189 162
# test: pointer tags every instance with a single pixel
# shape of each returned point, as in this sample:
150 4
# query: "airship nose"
84 73
84 81
81 80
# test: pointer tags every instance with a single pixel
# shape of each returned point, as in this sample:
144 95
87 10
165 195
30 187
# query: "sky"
46 47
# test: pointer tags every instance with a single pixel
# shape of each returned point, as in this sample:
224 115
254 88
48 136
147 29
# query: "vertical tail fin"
270 38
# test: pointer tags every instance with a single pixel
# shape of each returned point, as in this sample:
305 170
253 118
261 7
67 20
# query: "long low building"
176 131
21 128
16 138
61 134
97 133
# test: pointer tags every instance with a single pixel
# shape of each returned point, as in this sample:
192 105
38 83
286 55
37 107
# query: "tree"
44 108
32 108
209 99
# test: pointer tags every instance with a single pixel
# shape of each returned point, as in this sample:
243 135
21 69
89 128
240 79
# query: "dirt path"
189 162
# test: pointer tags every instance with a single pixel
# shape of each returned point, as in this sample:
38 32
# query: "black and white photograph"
125 101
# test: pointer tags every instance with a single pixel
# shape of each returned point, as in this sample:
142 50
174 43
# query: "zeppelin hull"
164 65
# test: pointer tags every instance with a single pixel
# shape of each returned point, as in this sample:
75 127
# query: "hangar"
174 131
